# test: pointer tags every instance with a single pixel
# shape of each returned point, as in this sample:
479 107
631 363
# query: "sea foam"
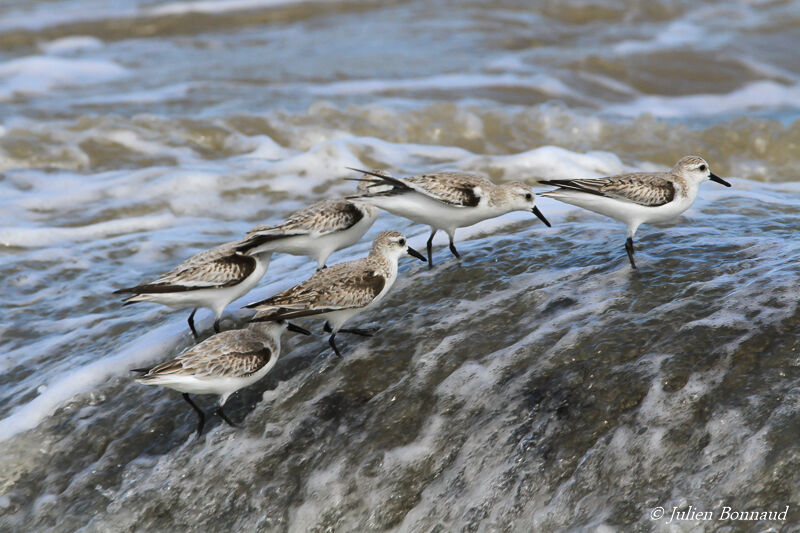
40 74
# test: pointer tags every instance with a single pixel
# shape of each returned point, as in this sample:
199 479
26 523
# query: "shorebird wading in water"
222 364
447 200
212 279
316 231
342 291
640 197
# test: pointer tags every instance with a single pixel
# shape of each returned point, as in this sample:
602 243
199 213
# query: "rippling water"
537 385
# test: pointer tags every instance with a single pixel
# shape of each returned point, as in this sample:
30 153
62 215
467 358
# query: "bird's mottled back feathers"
316 220
215 268
343 286
454 188
651 190
237 353
457 189
321 217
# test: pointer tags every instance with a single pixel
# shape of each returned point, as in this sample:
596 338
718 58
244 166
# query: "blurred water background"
538 385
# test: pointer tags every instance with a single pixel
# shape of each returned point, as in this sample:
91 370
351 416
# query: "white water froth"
73 43
54 236
677 34
168 93
541 82
84 378
224 6
758 95
41 74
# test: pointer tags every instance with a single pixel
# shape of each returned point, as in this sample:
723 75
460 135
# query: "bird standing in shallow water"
316 231
344 290
640 197
222 364
212 279
447 200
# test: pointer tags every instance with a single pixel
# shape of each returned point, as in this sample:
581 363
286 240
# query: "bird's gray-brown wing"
216 268
236 353
651 190
342 286
318 219
453 188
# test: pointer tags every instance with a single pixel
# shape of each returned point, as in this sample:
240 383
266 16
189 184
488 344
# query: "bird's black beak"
714 177
539 214
297 329
414 253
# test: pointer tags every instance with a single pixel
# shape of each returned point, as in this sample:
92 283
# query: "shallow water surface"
537 385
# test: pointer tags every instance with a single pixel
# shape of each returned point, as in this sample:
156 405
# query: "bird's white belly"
318 247
425 210
630 213
203 385
215 299
221 385
338 318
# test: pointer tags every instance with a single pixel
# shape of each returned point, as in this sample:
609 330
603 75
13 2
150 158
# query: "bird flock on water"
231 360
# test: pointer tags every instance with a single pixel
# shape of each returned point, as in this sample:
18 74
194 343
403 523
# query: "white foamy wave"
222 6
40 74
36 237
66 387
754 96
36 15
552 162
70 44
541 82
677 34
169 93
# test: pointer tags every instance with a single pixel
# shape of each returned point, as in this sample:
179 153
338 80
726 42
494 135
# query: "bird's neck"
496 200
383 262
684 188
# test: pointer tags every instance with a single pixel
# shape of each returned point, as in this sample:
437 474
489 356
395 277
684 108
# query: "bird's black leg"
357 331
223 416
199 412
629 249
453 248
191 324
333 345
216 326
327 328
430 248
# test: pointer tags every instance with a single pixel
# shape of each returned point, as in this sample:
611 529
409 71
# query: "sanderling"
317 231
213 279
222 364
639 197
344 290
447 200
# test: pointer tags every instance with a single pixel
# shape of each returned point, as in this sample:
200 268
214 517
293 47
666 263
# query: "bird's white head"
695 171
518 196
392 245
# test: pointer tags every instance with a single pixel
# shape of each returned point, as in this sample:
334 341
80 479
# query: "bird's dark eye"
702 168
402 242
528 196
